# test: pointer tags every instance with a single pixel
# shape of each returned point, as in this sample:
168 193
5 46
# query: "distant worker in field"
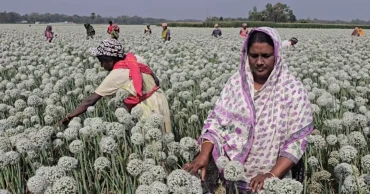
147 30
355 32
110 27
90 31
166 34
361 32
217 31
287 43
115 31
244 31
49 34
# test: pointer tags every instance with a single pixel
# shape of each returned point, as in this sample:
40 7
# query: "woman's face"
107 65
261 59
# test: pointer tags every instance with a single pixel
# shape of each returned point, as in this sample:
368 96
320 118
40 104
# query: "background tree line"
278 13
12 17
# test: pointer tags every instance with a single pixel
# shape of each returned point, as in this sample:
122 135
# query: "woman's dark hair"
259 37
109 59
110 22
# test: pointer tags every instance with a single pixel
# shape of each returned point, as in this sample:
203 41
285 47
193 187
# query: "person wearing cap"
166 35
147 30
130 74
216 32
288 43
244 30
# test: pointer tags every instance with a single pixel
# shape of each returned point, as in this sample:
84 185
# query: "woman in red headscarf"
115 31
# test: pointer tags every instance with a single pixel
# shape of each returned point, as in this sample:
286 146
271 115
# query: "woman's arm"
90 101
282 166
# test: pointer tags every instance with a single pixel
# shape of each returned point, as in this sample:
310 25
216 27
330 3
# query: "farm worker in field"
166 34
360 32
244 31
115 31
287 43
355 32
216 32
147 30
262 118
110 27
89 30
131 75
49 34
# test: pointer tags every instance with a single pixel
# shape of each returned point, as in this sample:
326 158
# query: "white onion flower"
65 185
222 162
135 167
67 163
347 153
146 178
108 144
37 184
101 163
159 173
76 146
233 171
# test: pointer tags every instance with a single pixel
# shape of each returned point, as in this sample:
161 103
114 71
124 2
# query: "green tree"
273 13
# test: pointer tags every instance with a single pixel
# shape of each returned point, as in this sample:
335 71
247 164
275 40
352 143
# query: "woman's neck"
259 80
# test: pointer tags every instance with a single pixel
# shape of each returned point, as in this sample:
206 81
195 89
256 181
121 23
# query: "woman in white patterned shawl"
262 118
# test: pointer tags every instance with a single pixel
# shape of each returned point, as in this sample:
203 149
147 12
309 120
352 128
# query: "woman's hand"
257 182
200 162
64 121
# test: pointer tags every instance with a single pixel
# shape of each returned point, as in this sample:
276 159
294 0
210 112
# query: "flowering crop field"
108 150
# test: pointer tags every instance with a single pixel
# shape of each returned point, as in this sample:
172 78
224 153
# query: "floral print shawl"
257 127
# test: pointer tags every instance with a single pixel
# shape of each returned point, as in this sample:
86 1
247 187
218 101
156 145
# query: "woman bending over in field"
355 32
90 31
262 118
49 35
135 77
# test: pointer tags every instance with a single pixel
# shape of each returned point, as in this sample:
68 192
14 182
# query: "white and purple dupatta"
256 128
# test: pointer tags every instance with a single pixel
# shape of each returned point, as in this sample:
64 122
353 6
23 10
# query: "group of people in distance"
113 30
357 32
244 32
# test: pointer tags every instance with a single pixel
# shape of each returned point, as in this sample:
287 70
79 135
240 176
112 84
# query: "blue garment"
216 33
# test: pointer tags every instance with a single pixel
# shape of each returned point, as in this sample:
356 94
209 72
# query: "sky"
191 9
